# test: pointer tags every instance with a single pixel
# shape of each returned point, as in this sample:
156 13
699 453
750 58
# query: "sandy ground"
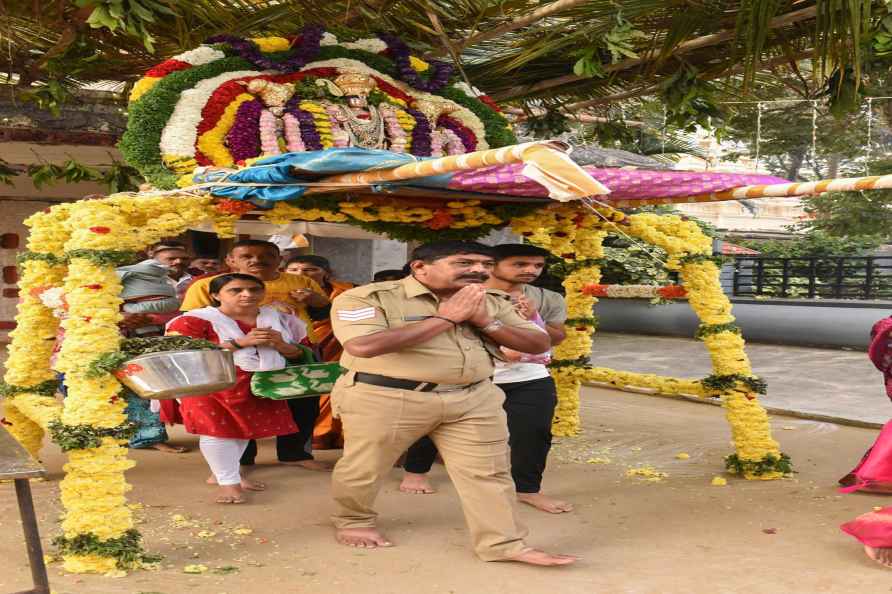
679 535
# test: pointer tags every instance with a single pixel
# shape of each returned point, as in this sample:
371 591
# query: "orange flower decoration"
441 219
595 290
236 207
672 292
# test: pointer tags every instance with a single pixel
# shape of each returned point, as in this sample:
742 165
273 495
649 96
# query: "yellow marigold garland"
28 414
322 121
212 143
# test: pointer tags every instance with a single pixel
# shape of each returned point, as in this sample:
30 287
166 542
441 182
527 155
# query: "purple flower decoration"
460 131
421 134
306 51
440 71
243 138
308 132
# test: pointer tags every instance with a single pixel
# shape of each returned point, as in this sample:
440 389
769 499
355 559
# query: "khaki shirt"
459 355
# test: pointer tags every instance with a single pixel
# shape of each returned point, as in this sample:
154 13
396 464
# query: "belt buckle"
450 387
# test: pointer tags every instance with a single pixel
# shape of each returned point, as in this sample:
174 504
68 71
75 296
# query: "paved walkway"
836 383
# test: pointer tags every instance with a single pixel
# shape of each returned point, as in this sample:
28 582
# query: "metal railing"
829 277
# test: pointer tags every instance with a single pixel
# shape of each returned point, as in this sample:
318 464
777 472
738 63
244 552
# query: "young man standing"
419 355
290 293
530 395
327 435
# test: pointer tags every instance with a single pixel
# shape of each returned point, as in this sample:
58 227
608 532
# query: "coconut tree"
570 55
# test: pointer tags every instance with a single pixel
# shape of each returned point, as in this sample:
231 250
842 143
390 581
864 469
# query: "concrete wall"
356 260
14 234
823 323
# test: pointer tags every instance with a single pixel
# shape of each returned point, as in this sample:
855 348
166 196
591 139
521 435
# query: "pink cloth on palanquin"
876 465
873 529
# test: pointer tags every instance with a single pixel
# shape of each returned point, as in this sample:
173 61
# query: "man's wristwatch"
492 326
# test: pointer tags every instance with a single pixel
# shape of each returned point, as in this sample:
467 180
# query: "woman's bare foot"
881 555
545 503
253 485
246 484
362 538
416 484
230 494
317 465
541 558
168 449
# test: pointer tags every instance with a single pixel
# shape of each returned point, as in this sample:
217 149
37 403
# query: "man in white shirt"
173 254
530 395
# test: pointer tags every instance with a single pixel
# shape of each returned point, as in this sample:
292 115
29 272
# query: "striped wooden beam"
849 184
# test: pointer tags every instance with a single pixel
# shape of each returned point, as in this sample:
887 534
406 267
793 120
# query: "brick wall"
13 235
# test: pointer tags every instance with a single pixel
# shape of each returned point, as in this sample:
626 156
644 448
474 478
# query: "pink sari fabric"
873 529
880 350
876 465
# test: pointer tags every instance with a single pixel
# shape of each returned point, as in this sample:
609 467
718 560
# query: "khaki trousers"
471 433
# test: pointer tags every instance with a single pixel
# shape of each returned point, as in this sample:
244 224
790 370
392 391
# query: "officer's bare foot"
317 465
541 558
881 555
545 503
416 484
362 538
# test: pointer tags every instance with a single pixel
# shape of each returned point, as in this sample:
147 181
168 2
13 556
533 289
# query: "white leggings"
222 455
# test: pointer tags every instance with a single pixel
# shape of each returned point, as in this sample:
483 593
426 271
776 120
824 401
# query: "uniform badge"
355 315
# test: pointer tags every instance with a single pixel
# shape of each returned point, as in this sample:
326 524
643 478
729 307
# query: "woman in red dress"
260 338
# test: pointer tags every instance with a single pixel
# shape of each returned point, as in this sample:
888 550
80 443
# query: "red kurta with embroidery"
235 412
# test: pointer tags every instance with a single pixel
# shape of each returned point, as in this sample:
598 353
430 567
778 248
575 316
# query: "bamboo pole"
850 184
547 161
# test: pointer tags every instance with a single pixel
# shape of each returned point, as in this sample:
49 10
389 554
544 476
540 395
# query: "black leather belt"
404 384
393 382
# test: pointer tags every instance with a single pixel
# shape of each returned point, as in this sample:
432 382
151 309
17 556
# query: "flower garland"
689 252
441 71
212 143
458 219
636 291
243 138
29 384
177 102
92 237
252 52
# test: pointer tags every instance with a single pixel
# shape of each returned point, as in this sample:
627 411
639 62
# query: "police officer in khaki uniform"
419 354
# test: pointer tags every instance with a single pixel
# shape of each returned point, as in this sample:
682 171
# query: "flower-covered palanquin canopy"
272 119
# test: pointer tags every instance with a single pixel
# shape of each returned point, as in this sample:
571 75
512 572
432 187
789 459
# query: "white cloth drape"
254 358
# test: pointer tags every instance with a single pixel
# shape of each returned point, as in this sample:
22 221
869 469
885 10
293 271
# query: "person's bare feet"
543 559
253 485
362 538
246 484
881 555
316 465
545 503
168 449
416 484
230 494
